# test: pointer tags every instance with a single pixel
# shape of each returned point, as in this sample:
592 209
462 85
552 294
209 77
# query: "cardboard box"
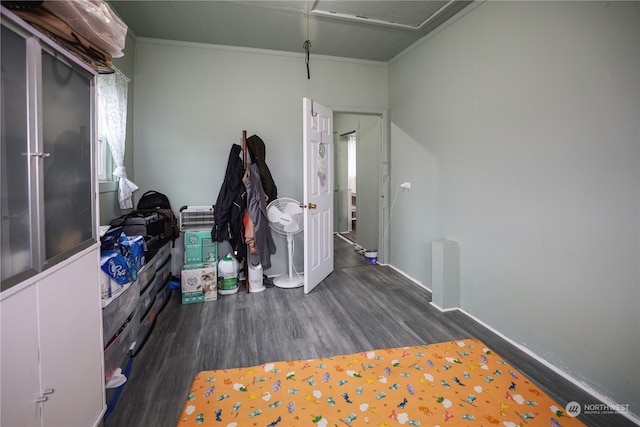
199 248
199 283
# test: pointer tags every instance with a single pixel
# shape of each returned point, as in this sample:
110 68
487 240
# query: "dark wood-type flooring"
358 307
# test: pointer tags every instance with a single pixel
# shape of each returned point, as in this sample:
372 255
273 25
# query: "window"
105 164
112 131
105 160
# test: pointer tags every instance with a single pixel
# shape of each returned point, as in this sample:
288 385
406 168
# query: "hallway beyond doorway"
359 171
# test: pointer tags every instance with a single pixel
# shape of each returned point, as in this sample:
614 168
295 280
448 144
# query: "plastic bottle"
227 275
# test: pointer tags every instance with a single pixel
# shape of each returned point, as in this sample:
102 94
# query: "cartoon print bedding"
458 383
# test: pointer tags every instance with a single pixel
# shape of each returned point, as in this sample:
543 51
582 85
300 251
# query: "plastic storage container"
118 309
117 351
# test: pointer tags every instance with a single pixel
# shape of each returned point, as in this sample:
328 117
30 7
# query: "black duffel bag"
141 224
169 220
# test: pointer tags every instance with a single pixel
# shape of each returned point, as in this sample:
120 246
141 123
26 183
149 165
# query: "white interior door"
318 192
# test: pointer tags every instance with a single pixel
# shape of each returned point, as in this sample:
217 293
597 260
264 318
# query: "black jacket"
257 151
229 209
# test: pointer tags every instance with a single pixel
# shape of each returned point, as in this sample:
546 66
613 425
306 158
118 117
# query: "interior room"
501 137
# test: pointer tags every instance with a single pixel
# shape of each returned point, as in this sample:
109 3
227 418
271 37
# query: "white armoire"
51 349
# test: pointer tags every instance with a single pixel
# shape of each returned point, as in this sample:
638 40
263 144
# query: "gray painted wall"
367 181
518 127
194 100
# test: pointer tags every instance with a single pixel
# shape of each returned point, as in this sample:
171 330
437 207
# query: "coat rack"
246 167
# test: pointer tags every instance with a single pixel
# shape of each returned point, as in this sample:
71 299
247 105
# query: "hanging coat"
257 151
231 204
257 208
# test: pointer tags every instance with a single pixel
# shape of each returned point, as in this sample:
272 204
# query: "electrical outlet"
406 185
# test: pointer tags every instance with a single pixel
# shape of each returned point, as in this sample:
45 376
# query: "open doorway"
358 188
348 207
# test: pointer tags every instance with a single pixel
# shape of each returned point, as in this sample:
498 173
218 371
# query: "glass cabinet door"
15 208
47 168
66 138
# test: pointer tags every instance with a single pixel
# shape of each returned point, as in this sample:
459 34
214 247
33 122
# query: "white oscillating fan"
286 218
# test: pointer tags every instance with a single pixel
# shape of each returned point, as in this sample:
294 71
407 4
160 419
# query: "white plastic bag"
94 20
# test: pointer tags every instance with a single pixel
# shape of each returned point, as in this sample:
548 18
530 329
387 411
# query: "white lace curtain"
112 95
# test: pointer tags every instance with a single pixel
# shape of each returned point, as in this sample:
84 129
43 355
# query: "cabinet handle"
40 154
43 397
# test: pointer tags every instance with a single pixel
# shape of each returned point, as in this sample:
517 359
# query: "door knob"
310 206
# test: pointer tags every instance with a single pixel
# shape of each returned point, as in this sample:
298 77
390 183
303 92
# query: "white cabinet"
51 360
19 370
51 349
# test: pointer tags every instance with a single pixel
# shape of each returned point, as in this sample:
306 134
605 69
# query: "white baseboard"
444 310
585 387
414 280
343 238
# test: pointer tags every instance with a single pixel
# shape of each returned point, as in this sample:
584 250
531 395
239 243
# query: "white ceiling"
372 30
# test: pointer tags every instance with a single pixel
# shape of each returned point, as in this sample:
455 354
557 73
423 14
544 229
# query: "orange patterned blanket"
458 383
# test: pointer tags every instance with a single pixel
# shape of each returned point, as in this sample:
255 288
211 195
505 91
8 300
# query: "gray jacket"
257 208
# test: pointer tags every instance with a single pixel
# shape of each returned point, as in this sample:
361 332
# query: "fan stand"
284 281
